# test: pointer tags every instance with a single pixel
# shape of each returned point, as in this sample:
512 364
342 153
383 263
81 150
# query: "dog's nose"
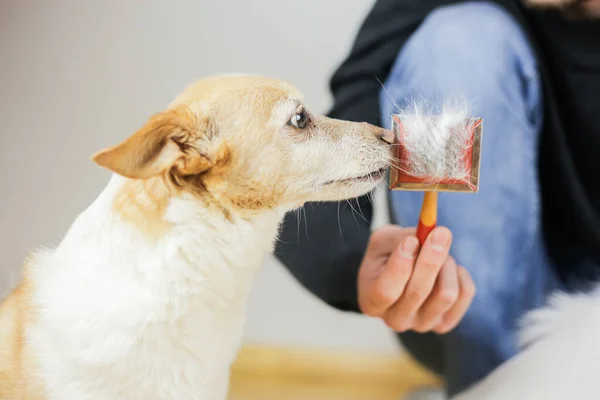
386 135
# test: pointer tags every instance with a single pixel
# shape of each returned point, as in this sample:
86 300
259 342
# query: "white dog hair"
560 356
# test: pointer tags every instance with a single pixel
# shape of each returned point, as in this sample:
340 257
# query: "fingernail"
409 247
440 240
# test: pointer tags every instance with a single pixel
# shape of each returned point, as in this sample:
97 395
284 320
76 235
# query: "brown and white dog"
144 297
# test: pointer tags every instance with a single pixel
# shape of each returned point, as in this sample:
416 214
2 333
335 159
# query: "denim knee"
473 50
476 50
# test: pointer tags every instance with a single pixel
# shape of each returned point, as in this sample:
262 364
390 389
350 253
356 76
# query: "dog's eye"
299 120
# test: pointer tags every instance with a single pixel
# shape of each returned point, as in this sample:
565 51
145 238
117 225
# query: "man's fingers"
411 290
429 262
445 293
458 310
378 292
387 238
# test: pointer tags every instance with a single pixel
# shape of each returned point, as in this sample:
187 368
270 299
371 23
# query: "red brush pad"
403 155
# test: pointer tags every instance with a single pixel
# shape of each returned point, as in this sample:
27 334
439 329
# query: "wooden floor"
266 373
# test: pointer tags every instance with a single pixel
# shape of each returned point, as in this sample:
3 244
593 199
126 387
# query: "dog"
559 357
144 298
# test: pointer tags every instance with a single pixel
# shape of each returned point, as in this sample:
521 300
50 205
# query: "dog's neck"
135 227
170 288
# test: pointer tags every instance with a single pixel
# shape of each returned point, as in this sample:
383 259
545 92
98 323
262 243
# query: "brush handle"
428 217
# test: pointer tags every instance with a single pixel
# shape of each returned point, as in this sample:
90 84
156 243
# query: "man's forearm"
324 248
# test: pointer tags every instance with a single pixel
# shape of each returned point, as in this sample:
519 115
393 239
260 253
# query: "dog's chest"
165 331
182 349
125 319
187 358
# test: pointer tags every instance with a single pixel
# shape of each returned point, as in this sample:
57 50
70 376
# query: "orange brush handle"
428 218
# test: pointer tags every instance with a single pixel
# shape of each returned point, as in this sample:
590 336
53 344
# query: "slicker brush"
434 153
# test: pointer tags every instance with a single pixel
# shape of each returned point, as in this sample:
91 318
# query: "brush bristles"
436 145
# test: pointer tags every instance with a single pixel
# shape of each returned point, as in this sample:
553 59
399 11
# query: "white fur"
436 142
561 357
156 320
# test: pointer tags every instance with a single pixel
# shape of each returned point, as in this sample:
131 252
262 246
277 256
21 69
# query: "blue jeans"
477 51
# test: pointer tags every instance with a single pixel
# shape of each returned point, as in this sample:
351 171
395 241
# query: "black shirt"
325 252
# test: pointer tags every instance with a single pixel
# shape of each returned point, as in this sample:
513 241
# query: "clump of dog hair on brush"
436 142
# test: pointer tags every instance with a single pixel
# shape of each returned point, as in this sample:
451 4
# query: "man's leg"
475 50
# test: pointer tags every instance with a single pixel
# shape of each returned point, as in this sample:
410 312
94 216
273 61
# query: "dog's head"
249 143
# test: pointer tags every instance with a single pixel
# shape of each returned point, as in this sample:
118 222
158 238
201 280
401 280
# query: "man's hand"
411 288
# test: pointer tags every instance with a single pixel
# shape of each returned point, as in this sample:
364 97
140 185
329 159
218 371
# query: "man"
534 227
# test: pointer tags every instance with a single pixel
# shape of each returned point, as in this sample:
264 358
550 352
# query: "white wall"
76 76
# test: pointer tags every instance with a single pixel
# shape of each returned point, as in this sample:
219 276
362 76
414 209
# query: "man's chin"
584 10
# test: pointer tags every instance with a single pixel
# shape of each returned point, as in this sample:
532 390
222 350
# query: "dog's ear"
172 140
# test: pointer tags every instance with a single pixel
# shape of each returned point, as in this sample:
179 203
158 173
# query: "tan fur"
211 144
142 203
17 366
199 166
